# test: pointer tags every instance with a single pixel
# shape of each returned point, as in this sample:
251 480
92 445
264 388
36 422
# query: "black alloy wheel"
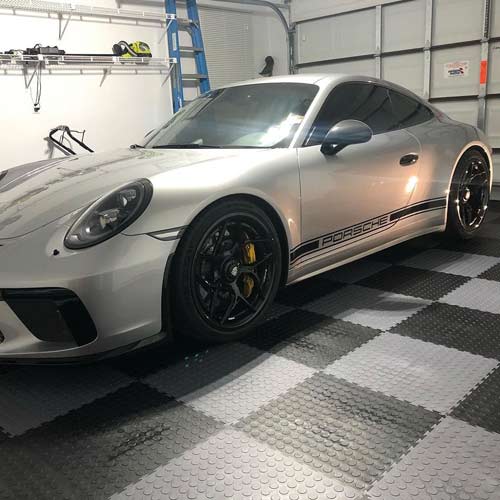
227 273
469 195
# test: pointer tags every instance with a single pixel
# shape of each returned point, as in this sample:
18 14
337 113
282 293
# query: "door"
354 194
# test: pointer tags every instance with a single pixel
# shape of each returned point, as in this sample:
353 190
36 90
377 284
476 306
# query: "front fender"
181 194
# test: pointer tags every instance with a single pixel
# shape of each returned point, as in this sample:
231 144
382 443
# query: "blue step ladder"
197 49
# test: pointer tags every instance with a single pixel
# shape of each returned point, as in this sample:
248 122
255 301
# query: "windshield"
264 115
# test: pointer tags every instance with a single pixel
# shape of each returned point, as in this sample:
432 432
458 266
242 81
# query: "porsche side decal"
382 222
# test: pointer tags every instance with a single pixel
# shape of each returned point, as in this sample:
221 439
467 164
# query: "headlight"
109 215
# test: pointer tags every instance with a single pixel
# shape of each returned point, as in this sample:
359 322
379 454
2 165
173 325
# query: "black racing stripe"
421 207
308 247
312 246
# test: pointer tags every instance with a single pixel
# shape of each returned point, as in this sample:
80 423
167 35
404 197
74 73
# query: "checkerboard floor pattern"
378 380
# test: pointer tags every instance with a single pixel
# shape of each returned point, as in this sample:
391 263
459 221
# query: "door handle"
408 160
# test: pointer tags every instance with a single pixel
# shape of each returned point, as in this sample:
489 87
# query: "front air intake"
52 314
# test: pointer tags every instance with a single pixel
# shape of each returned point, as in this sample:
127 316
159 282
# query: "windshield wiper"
136 146
187 146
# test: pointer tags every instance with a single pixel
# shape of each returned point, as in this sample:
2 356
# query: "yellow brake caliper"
249 258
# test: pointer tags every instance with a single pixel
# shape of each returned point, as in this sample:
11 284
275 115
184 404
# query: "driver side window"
379 107
357 101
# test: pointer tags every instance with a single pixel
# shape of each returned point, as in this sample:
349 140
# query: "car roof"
328 80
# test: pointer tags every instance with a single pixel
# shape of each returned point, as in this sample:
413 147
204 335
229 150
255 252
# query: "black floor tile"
492 274
306 291
478 245
340 429
97 450
482 406
414 282
310 338
464 329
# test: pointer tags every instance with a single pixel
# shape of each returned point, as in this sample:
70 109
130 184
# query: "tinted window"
383 110
408 111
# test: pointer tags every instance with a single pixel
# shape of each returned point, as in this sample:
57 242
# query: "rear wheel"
469 196
226 272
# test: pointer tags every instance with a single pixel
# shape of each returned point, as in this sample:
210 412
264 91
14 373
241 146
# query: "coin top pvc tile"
30 398
455 461
422 373
452 262
369 307
233 465
340 429
478 294
356 271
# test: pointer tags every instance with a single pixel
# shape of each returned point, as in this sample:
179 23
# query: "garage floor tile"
492 274
478 294
451 262
424 374
415 282
237 394
99 449
463 329
455 461
233 465
367 307
28 398
482 407
340 429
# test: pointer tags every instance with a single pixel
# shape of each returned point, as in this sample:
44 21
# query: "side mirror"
344 134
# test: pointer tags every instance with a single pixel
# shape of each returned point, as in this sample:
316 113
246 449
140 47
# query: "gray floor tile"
31 396
239 393
232 465
446 261
422 373
482 295
455 461
368 307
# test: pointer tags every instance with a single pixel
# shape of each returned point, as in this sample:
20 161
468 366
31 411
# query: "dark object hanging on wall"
268 68
62 142
49 51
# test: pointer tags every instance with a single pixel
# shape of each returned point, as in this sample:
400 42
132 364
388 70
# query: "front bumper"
119 283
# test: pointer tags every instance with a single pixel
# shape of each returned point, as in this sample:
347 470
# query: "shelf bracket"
167 76
105 73
28 80
169 19
62 28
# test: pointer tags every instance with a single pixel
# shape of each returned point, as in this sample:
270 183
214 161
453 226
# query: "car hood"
37 194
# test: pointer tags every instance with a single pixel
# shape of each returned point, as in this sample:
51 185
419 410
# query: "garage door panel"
332 37
445 85
397 32
463 111
457 21
494 69
406 70
361 67
493 122
495 18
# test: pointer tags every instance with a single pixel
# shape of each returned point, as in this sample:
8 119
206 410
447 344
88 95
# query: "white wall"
126 106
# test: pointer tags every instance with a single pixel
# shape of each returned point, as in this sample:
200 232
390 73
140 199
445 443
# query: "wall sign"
456 69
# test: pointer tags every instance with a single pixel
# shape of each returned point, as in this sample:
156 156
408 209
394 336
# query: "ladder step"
193 76
185 48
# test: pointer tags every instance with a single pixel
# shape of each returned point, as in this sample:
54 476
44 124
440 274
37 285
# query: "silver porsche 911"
250 187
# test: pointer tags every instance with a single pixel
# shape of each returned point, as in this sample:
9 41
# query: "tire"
469 196
221 290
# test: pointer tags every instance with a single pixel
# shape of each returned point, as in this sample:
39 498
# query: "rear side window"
380 108
408 111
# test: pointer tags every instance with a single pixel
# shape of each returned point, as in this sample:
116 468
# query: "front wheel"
469 196
226 272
